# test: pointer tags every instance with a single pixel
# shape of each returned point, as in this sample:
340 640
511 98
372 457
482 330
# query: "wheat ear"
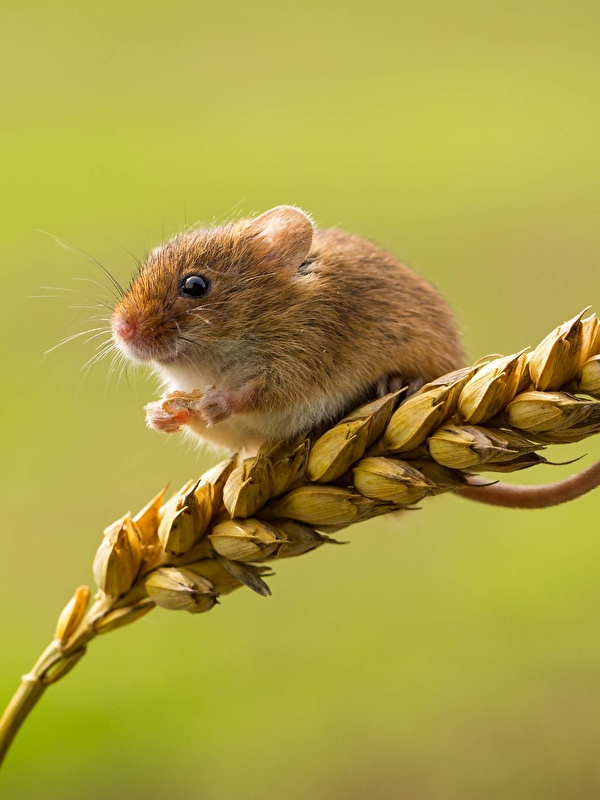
218 533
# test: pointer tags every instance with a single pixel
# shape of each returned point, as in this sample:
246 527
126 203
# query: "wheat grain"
212 536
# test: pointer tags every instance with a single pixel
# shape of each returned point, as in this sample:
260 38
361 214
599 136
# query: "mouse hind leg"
396 381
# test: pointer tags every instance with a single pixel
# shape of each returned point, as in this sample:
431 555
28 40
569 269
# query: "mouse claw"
163 419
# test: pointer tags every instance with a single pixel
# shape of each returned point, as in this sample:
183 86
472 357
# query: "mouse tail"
550 494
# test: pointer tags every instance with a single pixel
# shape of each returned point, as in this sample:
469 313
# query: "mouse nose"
125 328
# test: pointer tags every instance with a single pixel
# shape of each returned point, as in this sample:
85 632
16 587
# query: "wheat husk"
214 534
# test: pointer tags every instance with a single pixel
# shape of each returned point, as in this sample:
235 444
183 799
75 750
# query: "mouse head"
206 290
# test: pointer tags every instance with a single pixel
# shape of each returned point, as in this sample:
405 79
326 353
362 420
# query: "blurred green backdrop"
454 654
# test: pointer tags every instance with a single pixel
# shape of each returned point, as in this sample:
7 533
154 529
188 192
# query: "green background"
452 654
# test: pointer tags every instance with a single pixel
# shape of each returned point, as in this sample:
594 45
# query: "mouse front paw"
161 417
215 406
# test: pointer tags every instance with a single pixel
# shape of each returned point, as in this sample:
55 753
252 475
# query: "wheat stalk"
216 534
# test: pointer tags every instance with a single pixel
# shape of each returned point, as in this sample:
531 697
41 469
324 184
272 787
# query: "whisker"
197 314
72 337
188 359
119 289
109 342
98 356
95 283
108 306
115 360
57 288
95 336
136 260
125 372
96 303
182 337
92 308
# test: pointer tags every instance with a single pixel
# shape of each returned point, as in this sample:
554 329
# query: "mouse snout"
126 331
142 338
125 328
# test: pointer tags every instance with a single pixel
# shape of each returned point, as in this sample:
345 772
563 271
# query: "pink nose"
125 329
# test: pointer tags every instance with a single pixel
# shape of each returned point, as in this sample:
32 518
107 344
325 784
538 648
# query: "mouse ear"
283 234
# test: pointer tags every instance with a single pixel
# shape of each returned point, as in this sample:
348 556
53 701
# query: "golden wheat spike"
212 536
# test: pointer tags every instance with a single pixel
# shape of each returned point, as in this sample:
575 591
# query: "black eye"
194 286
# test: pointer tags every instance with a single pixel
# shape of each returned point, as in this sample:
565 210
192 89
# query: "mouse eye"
194 286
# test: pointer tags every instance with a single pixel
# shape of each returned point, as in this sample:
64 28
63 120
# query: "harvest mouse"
280 327
277 328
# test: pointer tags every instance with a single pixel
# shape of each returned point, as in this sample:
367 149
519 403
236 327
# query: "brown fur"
295 329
